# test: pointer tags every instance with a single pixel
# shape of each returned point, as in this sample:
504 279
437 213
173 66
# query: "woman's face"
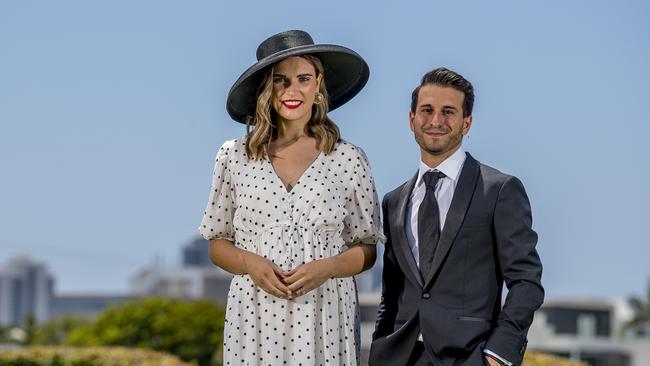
295 85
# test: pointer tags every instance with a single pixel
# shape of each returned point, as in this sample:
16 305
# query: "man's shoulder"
492 175
395 194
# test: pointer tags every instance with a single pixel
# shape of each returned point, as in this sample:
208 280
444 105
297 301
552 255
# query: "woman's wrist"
244 260
330 265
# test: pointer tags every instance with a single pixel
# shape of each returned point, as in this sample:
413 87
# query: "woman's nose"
289 86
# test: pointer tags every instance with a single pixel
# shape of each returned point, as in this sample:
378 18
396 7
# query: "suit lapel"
456 214
400 242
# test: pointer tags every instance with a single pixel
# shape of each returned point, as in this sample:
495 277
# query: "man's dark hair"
446 78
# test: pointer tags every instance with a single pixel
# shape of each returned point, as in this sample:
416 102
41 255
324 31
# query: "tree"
641 309
56 330
189 330
30 329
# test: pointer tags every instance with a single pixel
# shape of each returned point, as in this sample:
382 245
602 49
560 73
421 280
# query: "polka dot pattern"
333 204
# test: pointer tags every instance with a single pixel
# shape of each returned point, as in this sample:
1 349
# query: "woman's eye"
278 80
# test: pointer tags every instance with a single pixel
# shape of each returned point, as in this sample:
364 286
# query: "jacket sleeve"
392 284
520 268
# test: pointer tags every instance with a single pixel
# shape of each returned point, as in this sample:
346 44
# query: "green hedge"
86 356
540 359
193 330
121 356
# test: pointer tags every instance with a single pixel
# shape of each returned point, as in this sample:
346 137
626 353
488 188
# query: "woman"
293 211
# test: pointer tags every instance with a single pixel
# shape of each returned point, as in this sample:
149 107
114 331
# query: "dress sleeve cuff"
501 360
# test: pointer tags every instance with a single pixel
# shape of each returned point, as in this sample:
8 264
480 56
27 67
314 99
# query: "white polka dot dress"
334 203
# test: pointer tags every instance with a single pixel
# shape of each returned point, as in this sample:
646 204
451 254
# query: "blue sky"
111 113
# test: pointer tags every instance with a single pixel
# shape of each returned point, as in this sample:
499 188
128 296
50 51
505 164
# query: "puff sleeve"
219 213
362 223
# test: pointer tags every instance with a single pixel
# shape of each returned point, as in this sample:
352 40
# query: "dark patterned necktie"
428 222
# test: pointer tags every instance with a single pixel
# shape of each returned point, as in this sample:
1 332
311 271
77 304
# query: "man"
456 231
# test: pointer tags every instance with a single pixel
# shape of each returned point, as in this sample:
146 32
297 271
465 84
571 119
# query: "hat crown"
283 41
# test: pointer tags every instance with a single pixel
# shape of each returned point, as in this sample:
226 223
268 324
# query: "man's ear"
467 124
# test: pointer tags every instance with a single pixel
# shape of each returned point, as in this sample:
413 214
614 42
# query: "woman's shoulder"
233 147
346 149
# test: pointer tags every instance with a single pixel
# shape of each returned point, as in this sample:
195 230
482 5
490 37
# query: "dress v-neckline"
292 188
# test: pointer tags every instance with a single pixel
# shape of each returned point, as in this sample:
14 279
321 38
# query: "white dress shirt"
444 192
445 188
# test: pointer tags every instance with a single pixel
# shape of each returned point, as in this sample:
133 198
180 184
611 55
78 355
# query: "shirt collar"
450 167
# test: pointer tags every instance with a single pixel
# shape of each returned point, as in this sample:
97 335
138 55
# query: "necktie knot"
431 178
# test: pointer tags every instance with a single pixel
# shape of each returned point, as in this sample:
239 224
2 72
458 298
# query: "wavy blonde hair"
262 128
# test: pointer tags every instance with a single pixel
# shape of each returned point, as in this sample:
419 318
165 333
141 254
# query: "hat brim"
346 73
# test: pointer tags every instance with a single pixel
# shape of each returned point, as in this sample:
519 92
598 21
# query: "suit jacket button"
426 295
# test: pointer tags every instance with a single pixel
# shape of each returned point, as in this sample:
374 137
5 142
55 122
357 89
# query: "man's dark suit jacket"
487 240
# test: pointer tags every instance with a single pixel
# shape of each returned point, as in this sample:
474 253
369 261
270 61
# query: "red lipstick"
292 103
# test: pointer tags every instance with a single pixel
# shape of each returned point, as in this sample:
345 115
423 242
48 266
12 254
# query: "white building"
26 288
190 283
588 330
85 305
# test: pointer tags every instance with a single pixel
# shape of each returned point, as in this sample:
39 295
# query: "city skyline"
111 115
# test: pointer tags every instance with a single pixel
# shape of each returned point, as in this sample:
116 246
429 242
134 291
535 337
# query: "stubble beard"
437 151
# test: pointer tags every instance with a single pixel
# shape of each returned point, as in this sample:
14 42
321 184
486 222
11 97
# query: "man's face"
438 123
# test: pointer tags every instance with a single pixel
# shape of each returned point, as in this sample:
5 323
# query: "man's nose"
436 118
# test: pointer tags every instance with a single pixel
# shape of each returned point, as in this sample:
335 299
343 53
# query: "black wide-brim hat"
346 73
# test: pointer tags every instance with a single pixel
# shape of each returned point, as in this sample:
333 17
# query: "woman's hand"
266 275
307 277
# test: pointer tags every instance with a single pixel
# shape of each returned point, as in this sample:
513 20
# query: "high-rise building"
195 254
26 289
